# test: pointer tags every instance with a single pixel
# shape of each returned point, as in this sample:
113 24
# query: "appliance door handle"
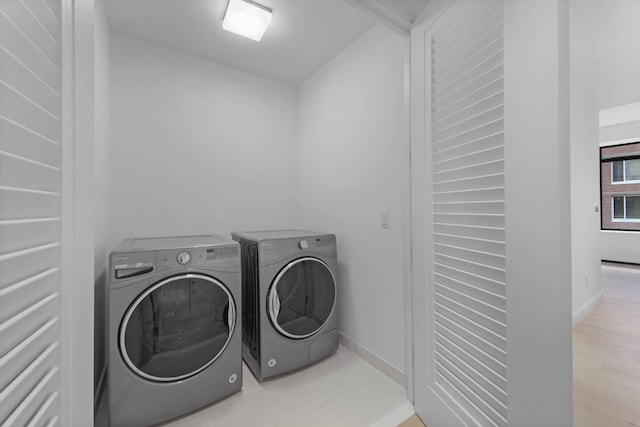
274 305
231 317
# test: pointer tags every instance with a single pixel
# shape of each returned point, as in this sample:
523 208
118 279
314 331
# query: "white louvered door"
463 205
467 158
491 255
30 207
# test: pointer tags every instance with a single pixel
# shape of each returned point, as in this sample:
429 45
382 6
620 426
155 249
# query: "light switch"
384 219
597 208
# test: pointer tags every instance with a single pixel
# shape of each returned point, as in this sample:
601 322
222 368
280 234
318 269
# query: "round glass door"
177 327
301 297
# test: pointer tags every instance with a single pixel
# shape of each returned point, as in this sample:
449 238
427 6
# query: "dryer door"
177 327
302 297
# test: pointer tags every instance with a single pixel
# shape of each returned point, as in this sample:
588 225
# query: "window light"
246 18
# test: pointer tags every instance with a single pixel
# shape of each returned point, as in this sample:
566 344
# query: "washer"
290 314
174 327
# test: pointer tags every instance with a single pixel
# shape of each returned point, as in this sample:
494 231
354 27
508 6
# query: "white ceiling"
397 14
304 34
410 9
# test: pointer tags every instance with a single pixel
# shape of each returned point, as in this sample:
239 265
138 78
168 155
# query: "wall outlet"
384 220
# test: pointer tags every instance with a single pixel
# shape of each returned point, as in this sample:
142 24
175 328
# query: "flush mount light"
246 18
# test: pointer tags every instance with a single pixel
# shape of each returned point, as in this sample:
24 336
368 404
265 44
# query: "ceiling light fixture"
246 18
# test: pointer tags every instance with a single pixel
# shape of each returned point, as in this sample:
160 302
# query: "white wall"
78 212
621 132
197 148
102 168
538 222
617 84
616 52
585 162
605 64
620 246
353 162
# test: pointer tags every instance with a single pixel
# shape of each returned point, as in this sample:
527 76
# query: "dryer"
174 328
290 313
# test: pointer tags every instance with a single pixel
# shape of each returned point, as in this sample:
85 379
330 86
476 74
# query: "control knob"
183 258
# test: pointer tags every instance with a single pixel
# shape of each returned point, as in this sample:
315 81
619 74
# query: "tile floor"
342 390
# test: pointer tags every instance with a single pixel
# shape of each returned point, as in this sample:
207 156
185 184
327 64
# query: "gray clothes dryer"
290 313
174 327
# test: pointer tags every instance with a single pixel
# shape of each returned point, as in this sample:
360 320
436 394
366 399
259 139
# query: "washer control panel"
134 264
128 265
218 256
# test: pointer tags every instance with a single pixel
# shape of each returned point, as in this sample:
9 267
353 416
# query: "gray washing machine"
174 327
290 313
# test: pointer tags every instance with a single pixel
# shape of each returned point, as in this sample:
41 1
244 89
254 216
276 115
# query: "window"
626 208
625 171
620 187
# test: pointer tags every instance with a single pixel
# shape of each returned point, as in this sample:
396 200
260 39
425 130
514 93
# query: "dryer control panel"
273 250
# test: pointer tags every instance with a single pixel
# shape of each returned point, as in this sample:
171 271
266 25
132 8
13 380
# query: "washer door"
177 327
302 297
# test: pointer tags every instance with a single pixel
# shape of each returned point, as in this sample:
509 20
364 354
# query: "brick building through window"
620 186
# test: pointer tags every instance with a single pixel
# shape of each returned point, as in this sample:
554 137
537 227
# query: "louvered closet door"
464 211
30 185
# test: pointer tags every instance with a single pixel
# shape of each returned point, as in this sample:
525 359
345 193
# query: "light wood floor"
606 354
413 421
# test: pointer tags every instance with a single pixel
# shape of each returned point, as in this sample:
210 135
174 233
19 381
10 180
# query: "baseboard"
633 264
380 364
99 390
583 311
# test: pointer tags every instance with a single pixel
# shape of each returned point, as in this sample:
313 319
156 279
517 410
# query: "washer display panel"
177 327
302 297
